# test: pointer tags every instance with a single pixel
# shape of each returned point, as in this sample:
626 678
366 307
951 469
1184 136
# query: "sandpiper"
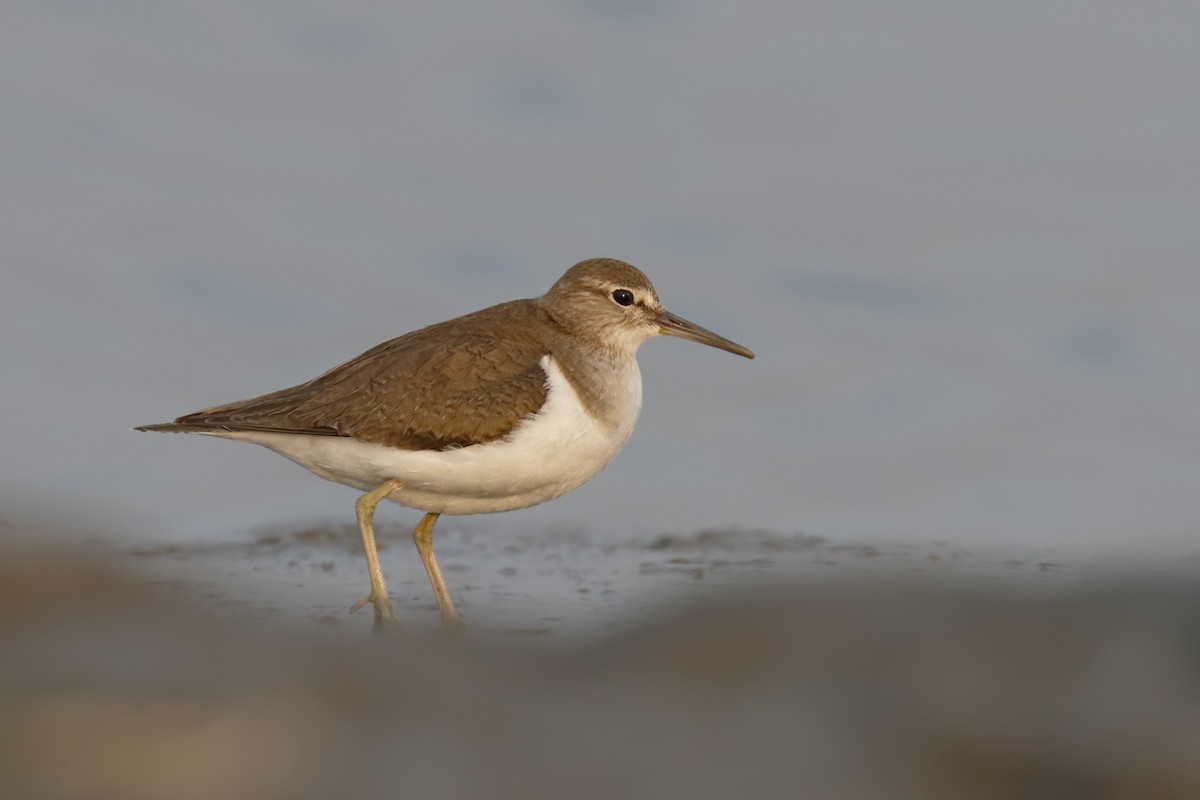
501 409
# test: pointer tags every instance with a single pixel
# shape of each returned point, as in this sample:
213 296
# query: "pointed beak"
673 325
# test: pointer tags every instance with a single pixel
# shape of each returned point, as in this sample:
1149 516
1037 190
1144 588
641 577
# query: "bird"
497 410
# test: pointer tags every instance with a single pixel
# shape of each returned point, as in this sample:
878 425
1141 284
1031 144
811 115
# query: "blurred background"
962 240
881 560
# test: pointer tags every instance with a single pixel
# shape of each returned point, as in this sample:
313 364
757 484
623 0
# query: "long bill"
674 325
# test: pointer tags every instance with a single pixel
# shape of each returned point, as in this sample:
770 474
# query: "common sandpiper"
497 410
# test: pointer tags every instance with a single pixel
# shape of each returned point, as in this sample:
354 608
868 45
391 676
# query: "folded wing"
467 381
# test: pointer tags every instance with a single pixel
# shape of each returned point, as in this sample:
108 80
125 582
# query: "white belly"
545 456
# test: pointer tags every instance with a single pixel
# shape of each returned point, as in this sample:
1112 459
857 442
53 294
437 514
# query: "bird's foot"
386 622
451 622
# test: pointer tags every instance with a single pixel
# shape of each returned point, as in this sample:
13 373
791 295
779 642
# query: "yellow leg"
385 618
423 537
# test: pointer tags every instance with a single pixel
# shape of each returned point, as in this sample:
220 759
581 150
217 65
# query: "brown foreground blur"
876 688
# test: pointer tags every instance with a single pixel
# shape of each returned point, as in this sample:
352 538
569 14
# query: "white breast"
545 456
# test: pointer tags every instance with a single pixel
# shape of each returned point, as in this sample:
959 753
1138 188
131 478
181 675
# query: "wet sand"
721 664
554 582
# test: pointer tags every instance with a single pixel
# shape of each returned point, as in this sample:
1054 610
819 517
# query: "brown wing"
466 381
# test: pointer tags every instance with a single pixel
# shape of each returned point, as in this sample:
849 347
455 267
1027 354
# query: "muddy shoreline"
725 663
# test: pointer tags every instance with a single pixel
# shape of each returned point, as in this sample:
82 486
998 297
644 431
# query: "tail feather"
206 426
176 427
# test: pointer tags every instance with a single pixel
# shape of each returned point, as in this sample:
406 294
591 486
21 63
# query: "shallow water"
962 242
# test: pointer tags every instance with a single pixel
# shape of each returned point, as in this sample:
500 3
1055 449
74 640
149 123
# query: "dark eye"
624 297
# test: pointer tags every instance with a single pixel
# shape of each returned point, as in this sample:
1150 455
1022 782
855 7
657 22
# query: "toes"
386 627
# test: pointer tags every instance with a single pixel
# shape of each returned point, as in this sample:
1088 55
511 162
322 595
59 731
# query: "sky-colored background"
962 239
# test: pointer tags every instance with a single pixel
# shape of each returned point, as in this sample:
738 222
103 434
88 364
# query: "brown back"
465 381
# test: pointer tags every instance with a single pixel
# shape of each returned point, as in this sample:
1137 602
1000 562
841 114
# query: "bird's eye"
624 297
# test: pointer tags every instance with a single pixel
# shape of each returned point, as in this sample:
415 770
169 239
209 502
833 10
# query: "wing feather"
458 383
